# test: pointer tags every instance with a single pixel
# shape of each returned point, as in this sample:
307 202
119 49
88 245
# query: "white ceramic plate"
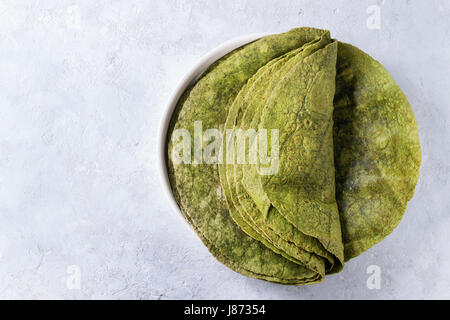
190 78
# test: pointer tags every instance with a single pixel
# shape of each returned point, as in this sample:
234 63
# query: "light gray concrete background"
83 87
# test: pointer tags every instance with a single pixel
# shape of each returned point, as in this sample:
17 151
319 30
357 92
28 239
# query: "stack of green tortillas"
347 161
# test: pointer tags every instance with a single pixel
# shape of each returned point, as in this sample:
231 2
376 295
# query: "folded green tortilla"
347 157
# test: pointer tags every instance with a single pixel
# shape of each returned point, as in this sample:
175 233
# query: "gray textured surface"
83 87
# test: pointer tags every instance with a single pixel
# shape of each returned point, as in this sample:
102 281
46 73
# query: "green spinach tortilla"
347 163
